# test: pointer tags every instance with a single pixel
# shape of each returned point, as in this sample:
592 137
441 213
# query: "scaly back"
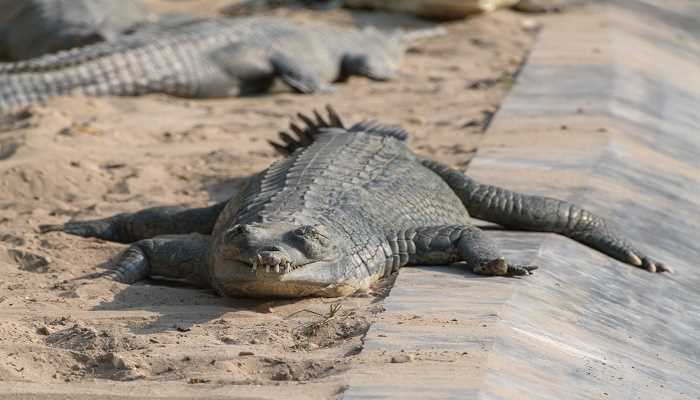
363 178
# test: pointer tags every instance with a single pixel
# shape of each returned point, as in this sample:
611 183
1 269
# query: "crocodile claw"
631 256
520 270
654 266
45 228
99 228
131 266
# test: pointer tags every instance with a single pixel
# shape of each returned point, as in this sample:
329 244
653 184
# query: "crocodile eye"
313 232
301 231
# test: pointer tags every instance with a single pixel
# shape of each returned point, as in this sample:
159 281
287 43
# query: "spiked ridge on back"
307 135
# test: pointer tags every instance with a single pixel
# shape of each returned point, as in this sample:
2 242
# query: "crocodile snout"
272 257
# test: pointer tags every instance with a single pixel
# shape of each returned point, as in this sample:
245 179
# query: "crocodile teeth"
253 264
283 267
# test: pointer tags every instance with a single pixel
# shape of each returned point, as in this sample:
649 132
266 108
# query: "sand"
64 333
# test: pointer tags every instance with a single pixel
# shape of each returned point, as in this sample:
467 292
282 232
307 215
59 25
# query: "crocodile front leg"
181 257
536 213
144 224
449 244
365 65
297 76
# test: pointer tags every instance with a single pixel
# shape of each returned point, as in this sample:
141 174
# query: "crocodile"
31 28
444 10
212 57
344 208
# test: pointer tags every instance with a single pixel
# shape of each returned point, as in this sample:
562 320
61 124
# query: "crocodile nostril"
271 257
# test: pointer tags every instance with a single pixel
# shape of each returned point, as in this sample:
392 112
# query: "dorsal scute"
297 137
377 128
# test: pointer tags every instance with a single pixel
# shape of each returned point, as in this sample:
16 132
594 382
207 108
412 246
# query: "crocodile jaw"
262 265
320 278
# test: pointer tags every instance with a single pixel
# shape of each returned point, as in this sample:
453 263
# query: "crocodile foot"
653 265
499 267
100 228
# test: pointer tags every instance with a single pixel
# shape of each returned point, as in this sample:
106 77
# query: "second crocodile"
215 57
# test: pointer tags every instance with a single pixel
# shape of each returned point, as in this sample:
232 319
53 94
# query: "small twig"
301 311
313 327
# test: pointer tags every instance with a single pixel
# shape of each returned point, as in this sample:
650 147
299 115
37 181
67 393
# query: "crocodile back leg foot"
543 214
448 244
499 266
144 224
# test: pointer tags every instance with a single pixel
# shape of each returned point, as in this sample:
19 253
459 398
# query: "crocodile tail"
302 137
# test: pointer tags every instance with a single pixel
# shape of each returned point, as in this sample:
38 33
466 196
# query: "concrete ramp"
605 114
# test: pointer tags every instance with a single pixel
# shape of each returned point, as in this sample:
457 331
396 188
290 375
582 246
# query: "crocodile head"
282 260
373 54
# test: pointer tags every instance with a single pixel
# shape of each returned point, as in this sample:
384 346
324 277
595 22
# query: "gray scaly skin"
216 57
31 28
346 207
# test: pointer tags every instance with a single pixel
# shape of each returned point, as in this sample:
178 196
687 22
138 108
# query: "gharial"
346 207
213 57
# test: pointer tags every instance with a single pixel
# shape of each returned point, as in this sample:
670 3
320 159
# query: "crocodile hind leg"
181 257
449 244
536 213
144 224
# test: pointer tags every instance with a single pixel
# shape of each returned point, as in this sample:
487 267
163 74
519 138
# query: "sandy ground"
86 158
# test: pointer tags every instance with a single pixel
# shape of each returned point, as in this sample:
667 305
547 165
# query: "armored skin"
345 208
201 58
31 28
